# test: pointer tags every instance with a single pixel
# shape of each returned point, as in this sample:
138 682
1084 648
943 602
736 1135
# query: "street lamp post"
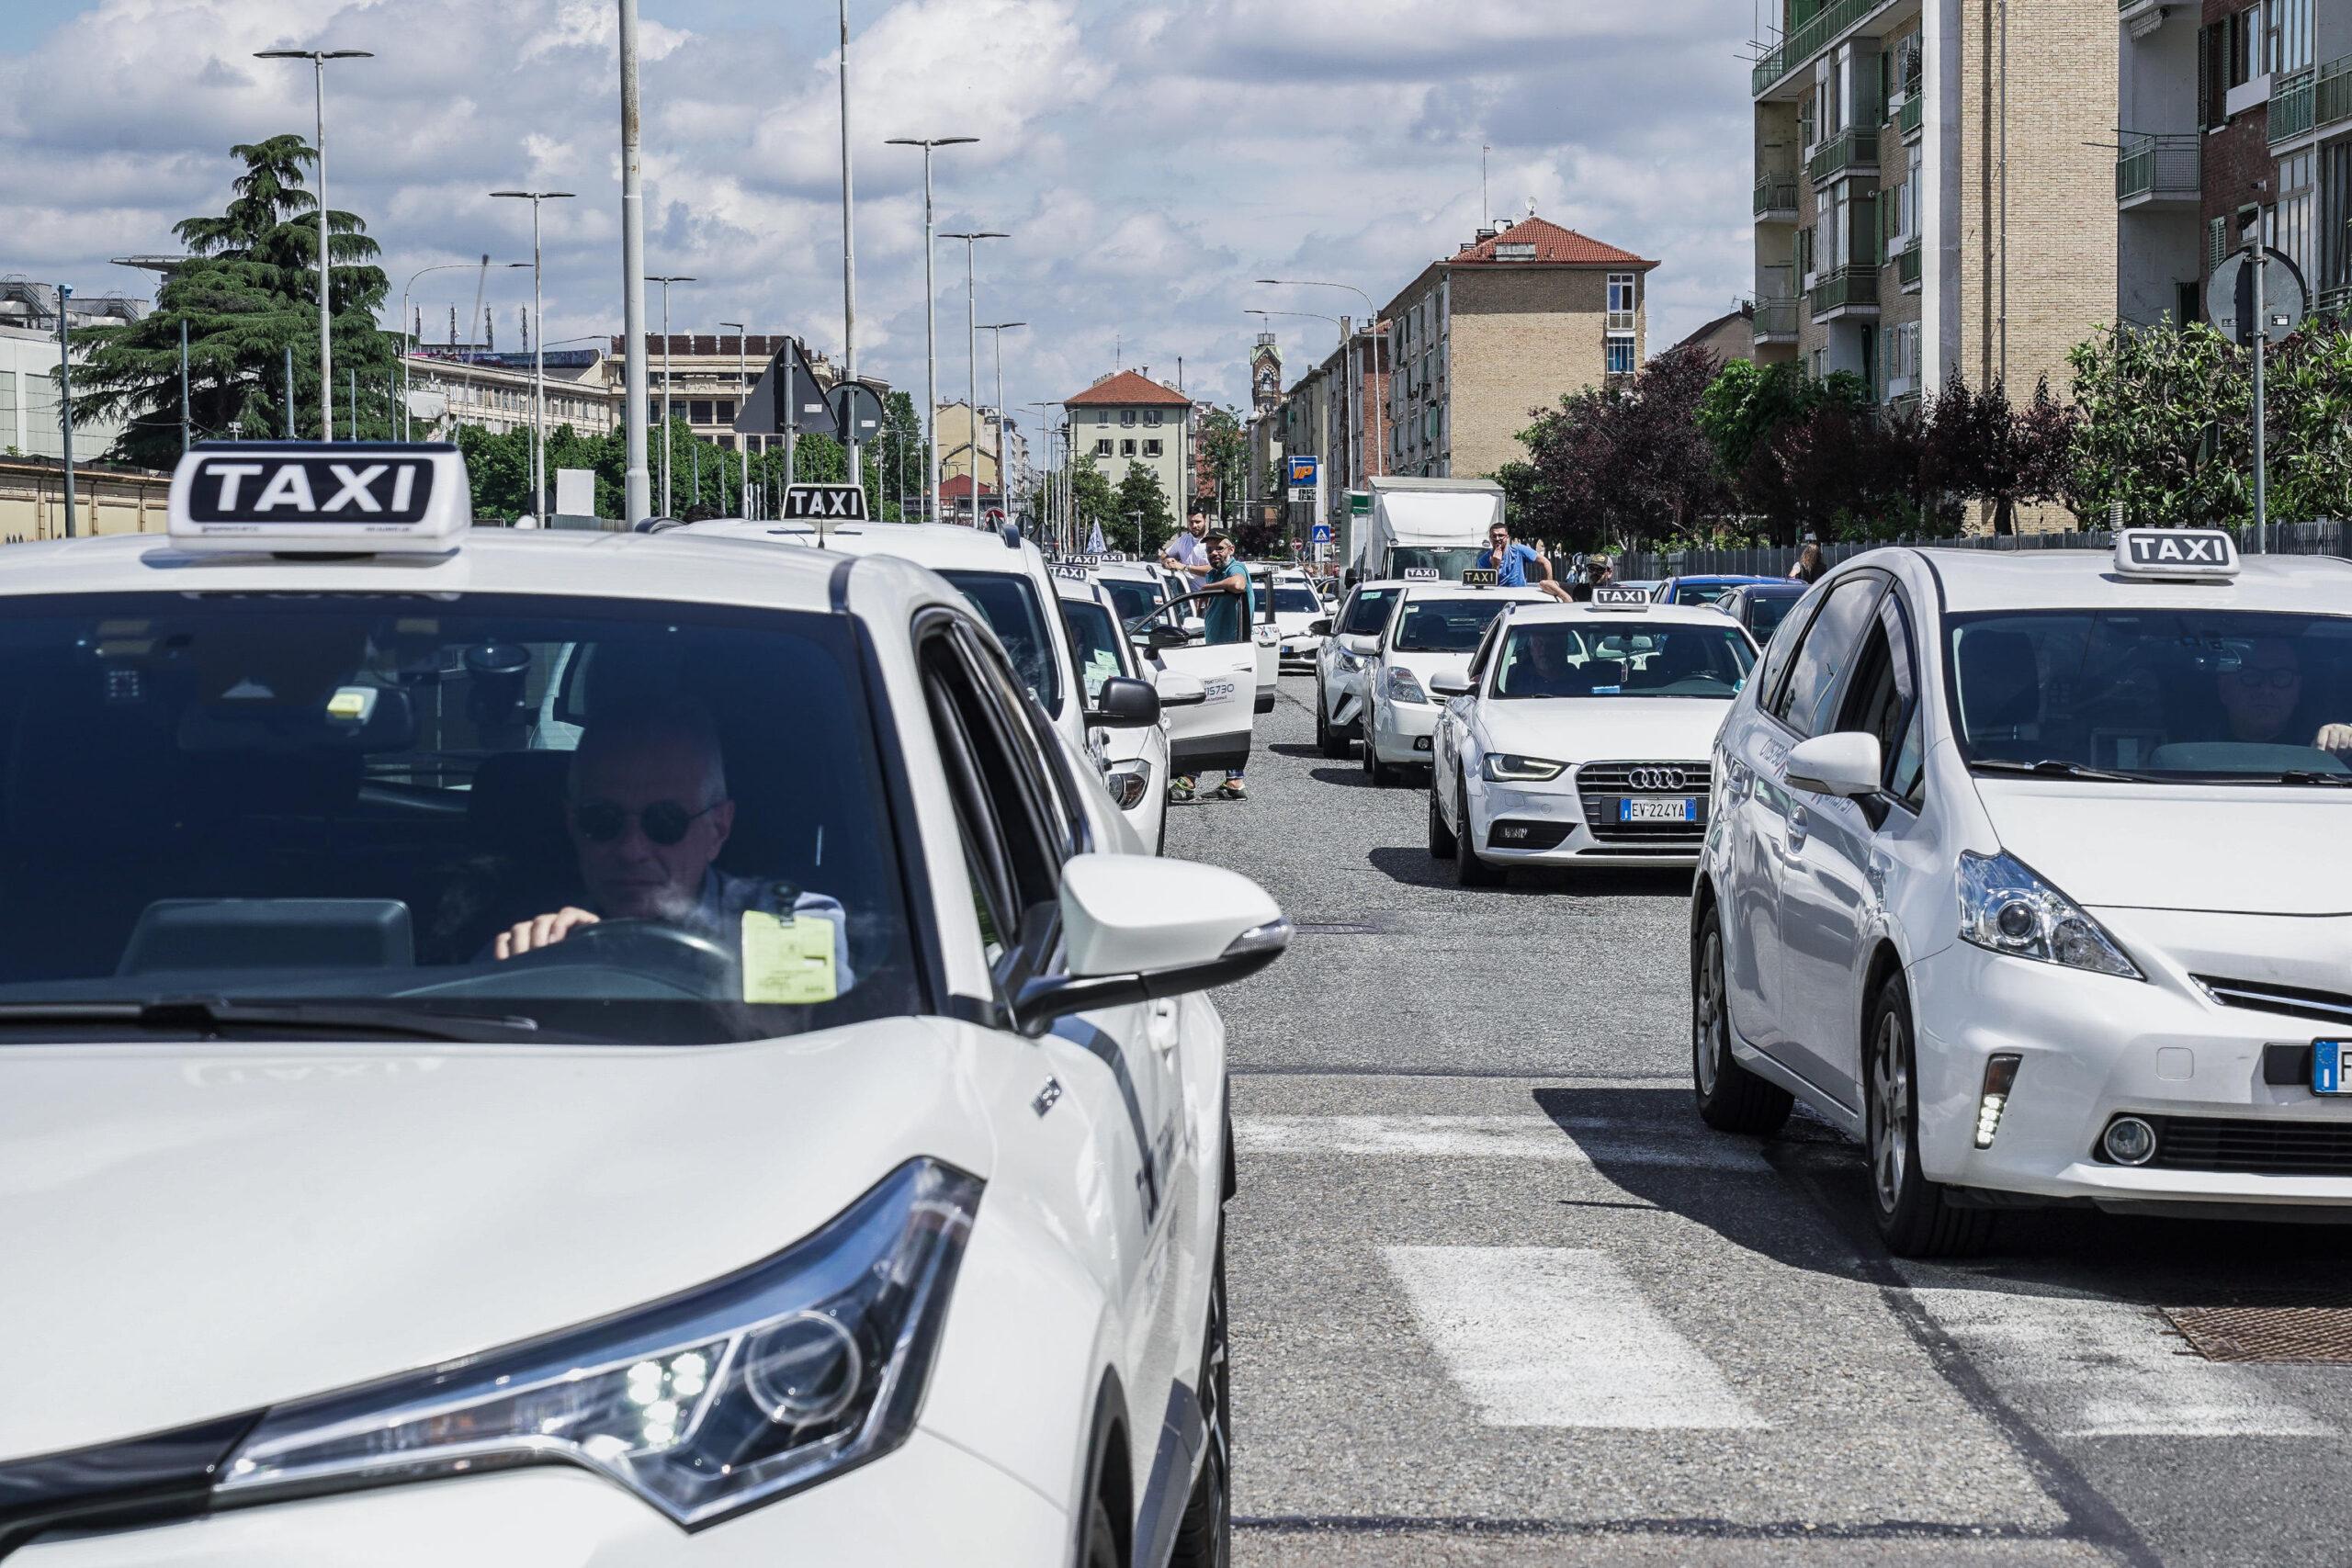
65 397
666 282
972 333
996 331
1371 330
743 385
406 431
318 59
638 499
849 253
538 355
930 308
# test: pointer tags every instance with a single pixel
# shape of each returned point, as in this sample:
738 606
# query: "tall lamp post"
996 331
930 306
972 333
637 498
666 282
743 380
318 59
406 432
1371 330
539 353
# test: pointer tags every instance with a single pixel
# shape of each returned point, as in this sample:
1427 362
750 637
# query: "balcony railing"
1775 194
1808 39
1913 115
2334 302
1906 265
2332 94
1848 286
2157 166
1848 150
1776 320
2290 105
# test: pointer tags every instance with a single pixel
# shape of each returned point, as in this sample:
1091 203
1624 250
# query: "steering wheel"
671 954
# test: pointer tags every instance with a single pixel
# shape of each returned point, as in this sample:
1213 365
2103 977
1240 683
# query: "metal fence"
2324 538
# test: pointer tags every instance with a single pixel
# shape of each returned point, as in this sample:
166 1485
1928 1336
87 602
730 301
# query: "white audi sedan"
584 1049
1434 626
2031 872
1578 735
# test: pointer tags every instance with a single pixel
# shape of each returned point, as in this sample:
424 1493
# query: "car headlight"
1404 686
2006 908
1509 767
705 1405
1342 659
1128 783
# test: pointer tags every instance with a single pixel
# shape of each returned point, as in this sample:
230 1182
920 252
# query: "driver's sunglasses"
664 823
2254 680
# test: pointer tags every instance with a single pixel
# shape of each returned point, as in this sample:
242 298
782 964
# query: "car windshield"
1688 593
1766 611
1563 660
2187 694
1368 617
1094 642
1008 601
1449 564
1296 601
1447 626
327 809
1132 600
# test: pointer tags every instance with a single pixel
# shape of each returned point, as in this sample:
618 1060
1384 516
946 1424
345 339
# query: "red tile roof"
958 487
1553 244
1127 390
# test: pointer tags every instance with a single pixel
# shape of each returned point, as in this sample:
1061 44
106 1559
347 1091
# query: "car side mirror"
1124 703
1162 635
1138 927
1319 628
1178 691
1363 645
1453 682
1847 764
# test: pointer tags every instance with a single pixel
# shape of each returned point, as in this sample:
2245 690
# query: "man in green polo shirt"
1232 606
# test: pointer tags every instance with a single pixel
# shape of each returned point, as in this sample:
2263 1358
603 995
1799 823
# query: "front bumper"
1299 653
1550 816
2094 1047
925 1504
1400 733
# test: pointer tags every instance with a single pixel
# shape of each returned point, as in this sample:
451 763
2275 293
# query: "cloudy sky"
1149 157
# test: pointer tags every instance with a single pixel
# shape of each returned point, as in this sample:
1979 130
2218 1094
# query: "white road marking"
1484 1137
2101 1368
1554 1337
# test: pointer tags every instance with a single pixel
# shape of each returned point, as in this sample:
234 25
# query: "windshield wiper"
2059 768
2314 776
211 1016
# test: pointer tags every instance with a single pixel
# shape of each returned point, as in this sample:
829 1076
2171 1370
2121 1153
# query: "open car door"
1217 733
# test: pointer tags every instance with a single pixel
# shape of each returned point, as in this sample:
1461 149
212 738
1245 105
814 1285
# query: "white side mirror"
1846 764
1181 691
1452 682
1363 645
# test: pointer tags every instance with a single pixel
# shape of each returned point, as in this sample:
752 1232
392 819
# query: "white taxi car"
2030 871
1340 693
1297 610
1435 625
1134 587
1578 735
1133 758
829 1171
1220 732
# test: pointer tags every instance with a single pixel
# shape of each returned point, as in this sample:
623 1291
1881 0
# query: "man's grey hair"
681 722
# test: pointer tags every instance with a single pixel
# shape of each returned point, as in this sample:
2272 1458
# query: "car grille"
1598 782
2267 995
2253 1147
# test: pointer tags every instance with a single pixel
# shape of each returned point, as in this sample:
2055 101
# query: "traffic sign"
1360 503
1322 533
857 409
2229 297
790 375
844 503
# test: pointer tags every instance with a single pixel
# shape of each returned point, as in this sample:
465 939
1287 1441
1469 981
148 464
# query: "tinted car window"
1764 613
1445 625
1368 612
1131 600
1557 660
1296 601
1094 644
1826 652
1009 603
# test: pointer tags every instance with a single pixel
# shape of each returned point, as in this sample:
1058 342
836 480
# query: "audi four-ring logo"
1657 778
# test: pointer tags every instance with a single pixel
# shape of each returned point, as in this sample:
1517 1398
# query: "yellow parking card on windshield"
789 962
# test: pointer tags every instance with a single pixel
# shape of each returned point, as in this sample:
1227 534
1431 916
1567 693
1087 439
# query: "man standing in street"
1187 554
1232 606
1597 573
1516 566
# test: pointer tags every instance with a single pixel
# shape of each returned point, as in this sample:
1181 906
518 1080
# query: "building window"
1152 448
1620 293
1126 416
1101 448
1621 353
726 443
1126 449
2290 219
726 406
2286 35
698 411
1152 416
1102 417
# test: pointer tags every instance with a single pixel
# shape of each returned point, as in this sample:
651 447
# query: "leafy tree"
1227 450
1097 502
1143 510
1624 464
248 293
1977 445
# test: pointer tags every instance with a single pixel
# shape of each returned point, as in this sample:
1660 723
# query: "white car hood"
2218 849
1606 729
189 1231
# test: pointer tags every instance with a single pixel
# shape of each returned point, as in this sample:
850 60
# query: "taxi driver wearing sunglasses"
2262 700
648 812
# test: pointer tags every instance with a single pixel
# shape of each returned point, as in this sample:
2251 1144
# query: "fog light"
1420 743
2129 1141
2000 1072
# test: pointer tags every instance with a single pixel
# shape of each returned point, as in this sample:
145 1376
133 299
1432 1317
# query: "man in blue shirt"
1516 566
1232 606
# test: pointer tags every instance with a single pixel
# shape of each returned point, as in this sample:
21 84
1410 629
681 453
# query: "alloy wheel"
1707 1014
1890 1122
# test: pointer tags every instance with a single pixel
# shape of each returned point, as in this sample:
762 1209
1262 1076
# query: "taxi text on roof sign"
846 502
1620 598
2175 552
308 497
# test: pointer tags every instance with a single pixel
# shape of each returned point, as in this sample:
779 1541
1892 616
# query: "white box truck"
1425 525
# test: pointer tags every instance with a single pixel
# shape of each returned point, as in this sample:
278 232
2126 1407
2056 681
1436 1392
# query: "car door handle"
1162 1031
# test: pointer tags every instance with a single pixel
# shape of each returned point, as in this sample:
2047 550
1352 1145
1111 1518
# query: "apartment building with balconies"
1931 181
1523 314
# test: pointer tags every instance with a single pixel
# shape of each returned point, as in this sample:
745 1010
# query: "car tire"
1916 1216
1442 838
1377 774
1204 1535
1731 1098
1328 741
1099 1547
1468 869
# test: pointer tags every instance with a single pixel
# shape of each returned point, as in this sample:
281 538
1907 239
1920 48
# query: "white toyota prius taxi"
2034 872
1435 625
1578 735
1133 758
572 1048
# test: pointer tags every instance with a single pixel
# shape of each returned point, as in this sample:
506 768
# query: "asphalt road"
1499 1298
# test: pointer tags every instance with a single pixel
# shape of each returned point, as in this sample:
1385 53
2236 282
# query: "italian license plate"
1684 809
2329 1058
1217 690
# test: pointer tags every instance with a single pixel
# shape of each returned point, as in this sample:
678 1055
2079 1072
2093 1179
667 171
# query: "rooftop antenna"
1486 208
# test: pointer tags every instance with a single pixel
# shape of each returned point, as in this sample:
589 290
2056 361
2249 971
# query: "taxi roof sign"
2181 554
1614 598
318 498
